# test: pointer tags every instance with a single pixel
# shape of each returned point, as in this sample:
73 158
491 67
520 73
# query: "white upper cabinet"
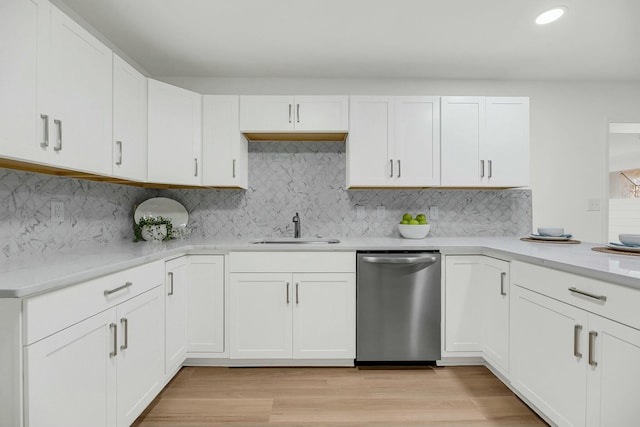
24 31
129 121
80 119
56 87
287 114
224 148
175 135
393 141
506 147
485 142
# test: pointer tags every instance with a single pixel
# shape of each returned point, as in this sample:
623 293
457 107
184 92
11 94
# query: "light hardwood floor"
449 396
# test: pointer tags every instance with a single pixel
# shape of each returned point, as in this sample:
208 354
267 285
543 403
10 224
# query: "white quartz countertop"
22 277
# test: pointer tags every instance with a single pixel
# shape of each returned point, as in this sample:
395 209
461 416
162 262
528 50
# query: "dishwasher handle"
400 260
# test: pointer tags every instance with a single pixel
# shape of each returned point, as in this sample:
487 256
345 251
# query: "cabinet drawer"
293 262
48 313
620 303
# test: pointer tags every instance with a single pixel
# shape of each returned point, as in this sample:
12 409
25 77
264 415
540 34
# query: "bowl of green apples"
414 228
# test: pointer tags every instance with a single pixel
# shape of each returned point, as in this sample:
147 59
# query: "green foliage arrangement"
151 220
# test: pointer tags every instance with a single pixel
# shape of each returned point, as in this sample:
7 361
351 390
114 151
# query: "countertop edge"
180 249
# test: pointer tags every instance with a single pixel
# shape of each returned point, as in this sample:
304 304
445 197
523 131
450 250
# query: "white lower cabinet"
300 315
70 379
577 367
176 291
206 313
544 365
260 315
613 380
194 309
477 308
102 371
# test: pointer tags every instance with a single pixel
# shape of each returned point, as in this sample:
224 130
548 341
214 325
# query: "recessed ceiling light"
550 15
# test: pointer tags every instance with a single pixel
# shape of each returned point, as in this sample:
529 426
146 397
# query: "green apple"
404 222
407 217
423 221
413 222
421 217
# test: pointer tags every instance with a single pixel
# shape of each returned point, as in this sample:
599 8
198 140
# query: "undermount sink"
293 240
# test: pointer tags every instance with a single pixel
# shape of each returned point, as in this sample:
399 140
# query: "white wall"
568 131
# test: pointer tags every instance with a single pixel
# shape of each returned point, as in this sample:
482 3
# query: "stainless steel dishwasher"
398 307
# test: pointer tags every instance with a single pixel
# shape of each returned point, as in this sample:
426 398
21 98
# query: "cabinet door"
175 135
224 148
24 31
506 147
129 121
322 113
462 134
417 141
140 354
324 316
81 90
70 377
495 313
260 315
463 313
370 141
205 314
266 113
176 300
613 385
549 355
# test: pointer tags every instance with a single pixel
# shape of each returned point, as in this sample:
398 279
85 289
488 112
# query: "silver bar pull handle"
125 327
400 260
576 339
287 292
490 168
58 146
575 290
297 113
114 329
391 164
399 170
503 276
108 292
297 296
45 132
119 161
481 168
234 168
592 345
289 113
195 161
170 283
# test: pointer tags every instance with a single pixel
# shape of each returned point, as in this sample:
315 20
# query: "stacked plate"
551 234
628 243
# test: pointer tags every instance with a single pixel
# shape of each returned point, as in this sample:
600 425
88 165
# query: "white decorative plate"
621 247
162 206
539 237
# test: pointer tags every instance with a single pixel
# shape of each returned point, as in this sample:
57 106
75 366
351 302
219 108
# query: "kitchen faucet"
296 222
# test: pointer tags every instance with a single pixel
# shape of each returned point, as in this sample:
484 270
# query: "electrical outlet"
57 212
593 204
380 212
433 212
359 211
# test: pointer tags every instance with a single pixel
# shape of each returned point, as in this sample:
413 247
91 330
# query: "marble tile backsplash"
284 178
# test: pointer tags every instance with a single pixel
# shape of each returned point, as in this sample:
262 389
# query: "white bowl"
551 231
629 239
414 231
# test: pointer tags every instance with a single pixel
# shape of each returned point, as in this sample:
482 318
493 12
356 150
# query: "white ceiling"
433 39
